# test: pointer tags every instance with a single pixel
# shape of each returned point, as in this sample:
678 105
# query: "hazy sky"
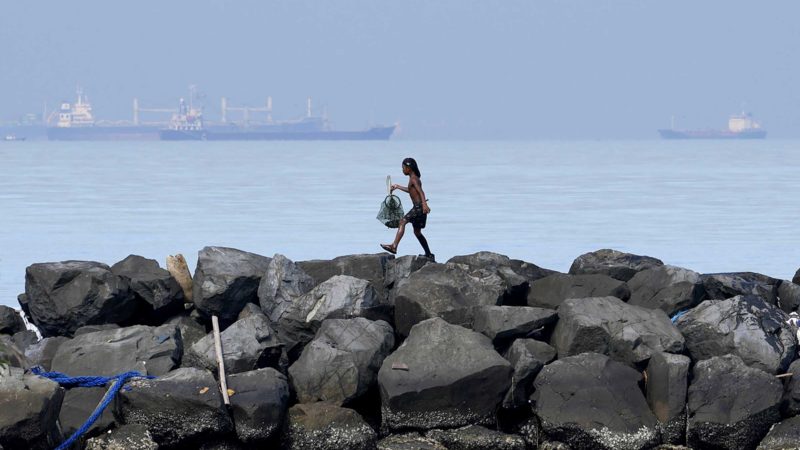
442 69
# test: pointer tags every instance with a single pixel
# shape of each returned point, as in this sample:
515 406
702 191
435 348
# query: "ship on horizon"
740 126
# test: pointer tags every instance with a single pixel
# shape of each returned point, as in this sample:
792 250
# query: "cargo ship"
740 126
76 123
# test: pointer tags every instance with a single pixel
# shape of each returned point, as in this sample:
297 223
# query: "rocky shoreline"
378 352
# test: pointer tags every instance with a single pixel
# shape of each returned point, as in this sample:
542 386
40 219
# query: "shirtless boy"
418 215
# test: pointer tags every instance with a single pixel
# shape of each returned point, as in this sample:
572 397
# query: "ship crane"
246 110
137 109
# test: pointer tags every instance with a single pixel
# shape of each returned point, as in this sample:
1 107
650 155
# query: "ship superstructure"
740 126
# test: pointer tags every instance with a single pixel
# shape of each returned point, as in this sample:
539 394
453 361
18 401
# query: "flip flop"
389 248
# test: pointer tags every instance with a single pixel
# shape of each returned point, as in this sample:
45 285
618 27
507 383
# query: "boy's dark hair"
412 164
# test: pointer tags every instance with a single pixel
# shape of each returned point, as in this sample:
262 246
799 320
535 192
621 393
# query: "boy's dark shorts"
416 217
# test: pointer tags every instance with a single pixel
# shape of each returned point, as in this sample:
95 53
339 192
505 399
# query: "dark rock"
342 362
86 329
550 292
553 445
370 267
783 436
249 310
322 426
409 441
127 437
340 297
618 265
147 350
10 320
225 280
61 297
159 295
506 323
41 353
788 296
746 326
791 396
517 284
731 405
398 271
259 404
248 344
283 282
607 325
79 403
191 330
450 291
720 286
473 437
668 288
527 357
442 376
11 355
796 277
179 409
590 401
667 376
29 408
24 339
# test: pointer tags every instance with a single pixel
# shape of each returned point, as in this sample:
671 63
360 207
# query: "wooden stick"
784 375
218 349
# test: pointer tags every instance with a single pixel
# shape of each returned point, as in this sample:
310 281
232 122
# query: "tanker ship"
740 126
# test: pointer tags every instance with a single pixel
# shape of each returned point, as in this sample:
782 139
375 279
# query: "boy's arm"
425 208
402 188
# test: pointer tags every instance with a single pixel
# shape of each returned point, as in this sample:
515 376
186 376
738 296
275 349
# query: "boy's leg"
422 240
401 228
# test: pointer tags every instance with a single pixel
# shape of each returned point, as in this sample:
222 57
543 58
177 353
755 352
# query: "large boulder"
11 355
551 291
791 396
323 426
248 344
10 320
398 271
370 267
342 362
191 329
259 404
29 408
340 297
63 296
225 280
590 401
503 324
450 291
41 353
474 437
79 403
527 357
516 274
668 288
283 282
443 375
796 277
158 293
607 325
746 326
667 381
619 265
147 350
181 408
731 406
783 436
719 286
788 296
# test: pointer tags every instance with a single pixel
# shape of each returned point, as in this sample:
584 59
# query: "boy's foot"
432 257
389 248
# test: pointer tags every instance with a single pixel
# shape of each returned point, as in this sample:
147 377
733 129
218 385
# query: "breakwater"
373 351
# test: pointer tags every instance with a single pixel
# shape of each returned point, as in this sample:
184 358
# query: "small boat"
13 137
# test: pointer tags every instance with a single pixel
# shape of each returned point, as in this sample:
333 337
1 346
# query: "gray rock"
11 355
551 291
783 436
796 277
342 362
667 381
249 310
189 398
788 296
61 297
731 405
618 265
191 330
607 325
409 441
720 286
41 353
259 404
323 426
24 339
283 282
225 280
505 323
590 401
791 395
527 357
147 350
159 295
86 329
473 437
517 284
340 297
370 267
126 437
668 288
398 271
79 403
442 376
449 291
29 408
10 320
248 344
746 326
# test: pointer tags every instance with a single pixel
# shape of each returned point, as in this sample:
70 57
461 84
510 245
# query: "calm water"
707 206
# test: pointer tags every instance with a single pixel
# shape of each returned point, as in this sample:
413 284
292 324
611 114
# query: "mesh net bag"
391 211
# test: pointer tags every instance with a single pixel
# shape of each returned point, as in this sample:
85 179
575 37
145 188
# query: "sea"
709 206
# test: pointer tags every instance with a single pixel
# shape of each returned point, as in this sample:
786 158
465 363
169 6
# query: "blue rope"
679 314
70 382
